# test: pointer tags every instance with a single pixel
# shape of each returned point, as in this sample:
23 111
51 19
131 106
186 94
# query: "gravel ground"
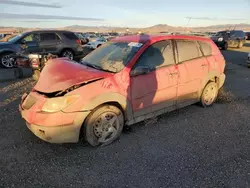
190 147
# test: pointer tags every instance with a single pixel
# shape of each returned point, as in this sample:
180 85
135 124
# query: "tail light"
78 41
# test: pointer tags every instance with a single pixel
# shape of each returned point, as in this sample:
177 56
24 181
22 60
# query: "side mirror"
140 70
23 41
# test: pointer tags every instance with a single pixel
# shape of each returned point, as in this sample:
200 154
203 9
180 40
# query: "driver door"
30 43
155 89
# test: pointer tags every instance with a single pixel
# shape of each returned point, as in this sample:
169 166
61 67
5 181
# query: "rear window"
187 50
206 48
70 36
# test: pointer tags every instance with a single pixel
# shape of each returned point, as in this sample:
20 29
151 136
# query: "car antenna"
234 26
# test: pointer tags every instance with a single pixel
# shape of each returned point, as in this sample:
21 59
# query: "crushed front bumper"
59 127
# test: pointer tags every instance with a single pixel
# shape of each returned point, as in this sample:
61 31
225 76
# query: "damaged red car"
125 81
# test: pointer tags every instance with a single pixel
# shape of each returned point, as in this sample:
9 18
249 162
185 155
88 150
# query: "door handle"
204 65
173 73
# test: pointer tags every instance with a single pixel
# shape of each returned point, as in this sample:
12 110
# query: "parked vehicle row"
248 35
60 43
124 81
233 38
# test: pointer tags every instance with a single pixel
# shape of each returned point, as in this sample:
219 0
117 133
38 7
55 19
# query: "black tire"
98 45
225 47
240 45
96 129
3 62
206 100
36 75
68 53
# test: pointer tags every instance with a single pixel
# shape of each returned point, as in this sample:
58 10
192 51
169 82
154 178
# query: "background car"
61 43
233 38
83 39
95 44
248 35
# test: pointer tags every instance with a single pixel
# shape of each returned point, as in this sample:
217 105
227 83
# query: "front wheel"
104 125
209 94
6 61
225 46
68 53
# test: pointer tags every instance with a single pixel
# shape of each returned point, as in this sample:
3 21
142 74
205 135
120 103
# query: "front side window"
187 50
112 56
157 55
34 37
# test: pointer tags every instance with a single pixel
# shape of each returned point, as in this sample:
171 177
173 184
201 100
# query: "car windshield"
221 33
16 38
112 56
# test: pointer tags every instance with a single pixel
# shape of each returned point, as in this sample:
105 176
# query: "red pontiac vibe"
125 81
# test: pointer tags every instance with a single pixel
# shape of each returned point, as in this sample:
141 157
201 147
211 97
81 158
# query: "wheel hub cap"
7 61
106 126
210 94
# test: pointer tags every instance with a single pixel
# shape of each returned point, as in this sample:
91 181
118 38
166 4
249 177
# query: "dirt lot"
191 147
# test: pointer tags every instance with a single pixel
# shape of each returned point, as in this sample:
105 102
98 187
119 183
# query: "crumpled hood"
60 74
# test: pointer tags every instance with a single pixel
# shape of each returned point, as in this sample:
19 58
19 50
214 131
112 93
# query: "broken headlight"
59 103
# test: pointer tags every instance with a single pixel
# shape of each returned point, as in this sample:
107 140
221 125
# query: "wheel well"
215 79
116 104
4 52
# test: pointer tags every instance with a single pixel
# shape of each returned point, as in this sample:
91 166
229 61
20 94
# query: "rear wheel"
68 53
240 45
98 45
209 94
104 125
6 61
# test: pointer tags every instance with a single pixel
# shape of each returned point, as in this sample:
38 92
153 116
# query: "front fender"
108 98
102 99
3 50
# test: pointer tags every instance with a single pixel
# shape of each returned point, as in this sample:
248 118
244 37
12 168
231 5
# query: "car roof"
38 31
147 38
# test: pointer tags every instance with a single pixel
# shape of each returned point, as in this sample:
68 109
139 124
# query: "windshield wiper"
96 67
92 66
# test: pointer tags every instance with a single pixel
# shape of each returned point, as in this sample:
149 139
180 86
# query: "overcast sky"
127 13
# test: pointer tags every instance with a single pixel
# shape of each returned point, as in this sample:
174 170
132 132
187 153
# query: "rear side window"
206 48
70 36
48 36
237 33
187 50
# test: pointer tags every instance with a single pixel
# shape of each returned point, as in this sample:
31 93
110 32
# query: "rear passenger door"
49 42
193 67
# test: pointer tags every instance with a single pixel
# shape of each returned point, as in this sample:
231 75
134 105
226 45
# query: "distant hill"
160 28
153 29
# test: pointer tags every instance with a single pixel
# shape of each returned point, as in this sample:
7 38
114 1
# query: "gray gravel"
190 147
